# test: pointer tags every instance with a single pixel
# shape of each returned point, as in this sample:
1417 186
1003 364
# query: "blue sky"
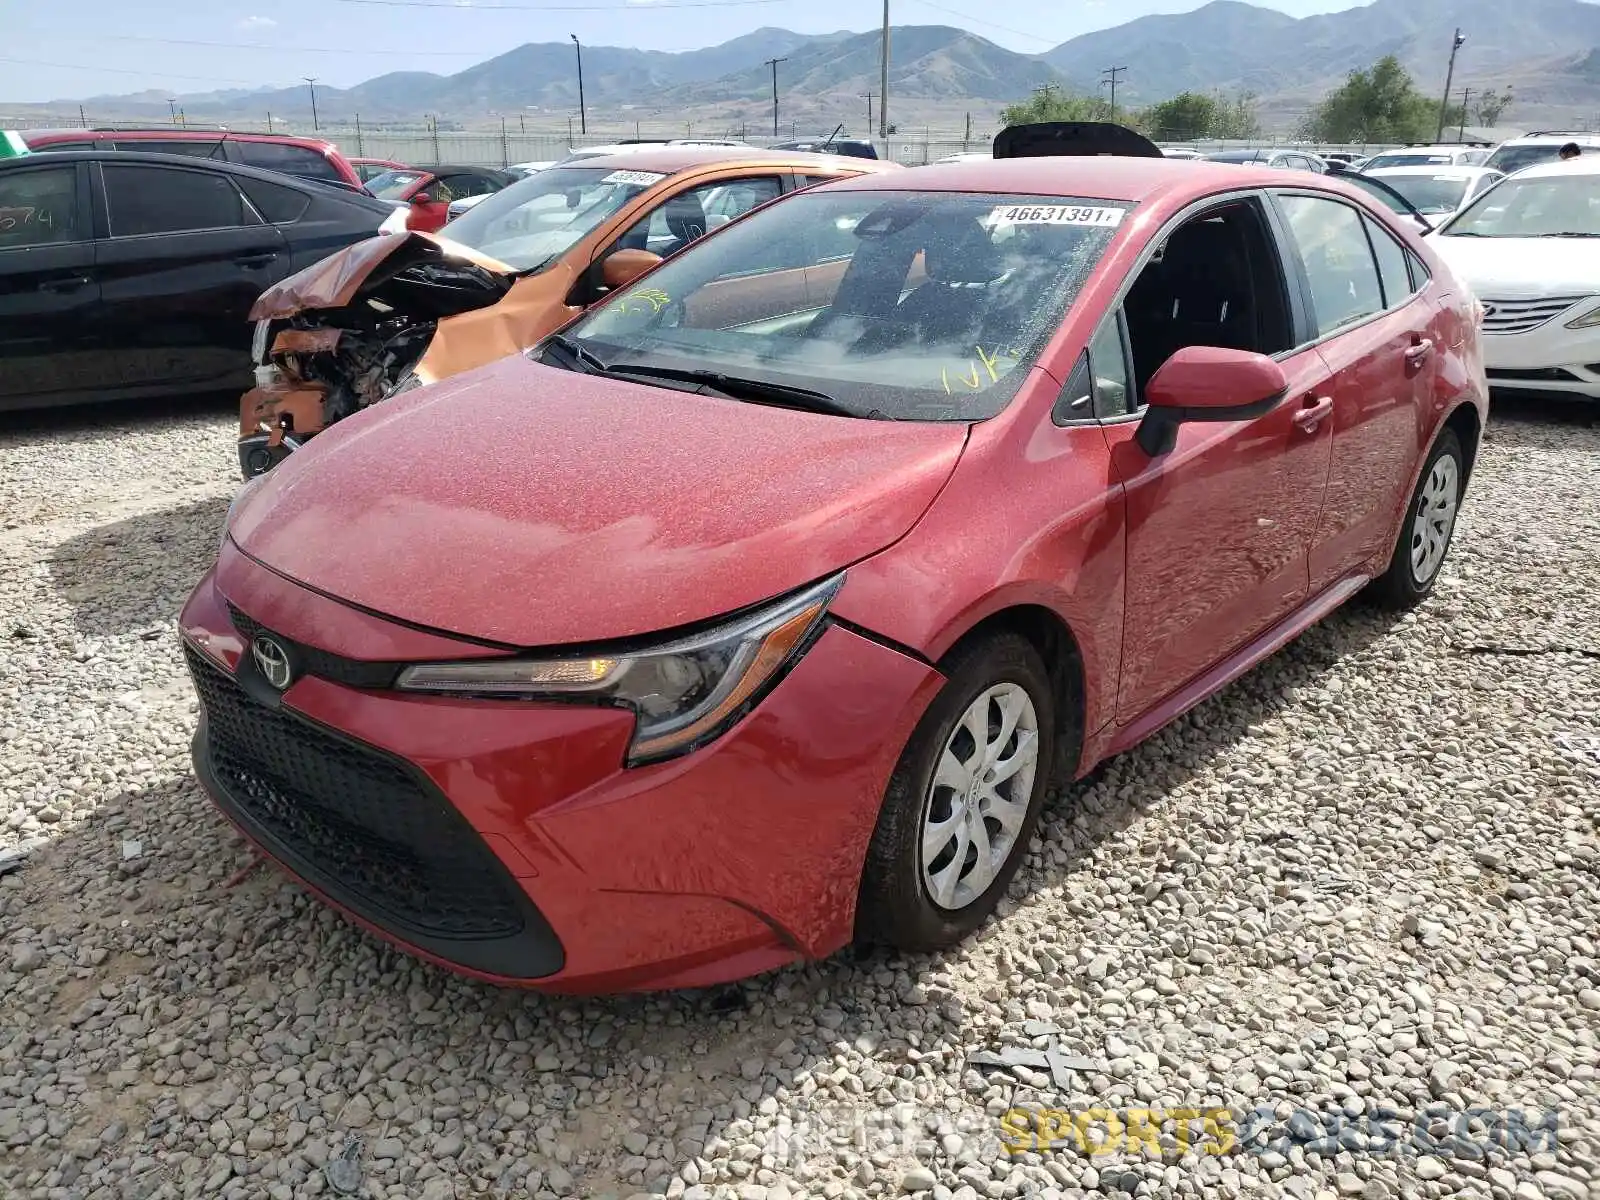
97 47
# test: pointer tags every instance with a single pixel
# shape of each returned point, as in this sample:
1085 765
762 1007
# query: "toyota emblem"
272 660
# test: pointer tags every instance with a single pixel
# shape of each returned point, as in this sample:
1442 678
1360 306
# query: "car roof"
1584 164
126 157
179 135
1447 170
669 160
1099 177
1560 139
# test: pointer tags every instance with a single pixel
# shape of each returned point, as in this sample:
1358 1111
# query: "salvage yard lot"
1367 874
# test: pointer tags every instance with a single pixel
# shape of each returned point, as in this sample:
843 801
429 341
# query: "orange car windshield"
917 305
536 220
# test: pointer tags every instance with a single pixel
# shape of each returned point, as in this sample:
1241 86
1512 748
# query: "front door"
47 289
1219 529
183 264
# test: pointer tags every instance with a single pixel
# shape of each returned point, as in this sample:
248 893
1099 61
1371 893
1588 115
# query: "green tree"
1050 103
1237 118
1491 106
1380 104
1185 117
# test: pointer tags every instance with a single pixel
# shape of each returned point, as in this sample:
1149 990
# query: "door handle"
65 283
1313 413
256 258
1418 351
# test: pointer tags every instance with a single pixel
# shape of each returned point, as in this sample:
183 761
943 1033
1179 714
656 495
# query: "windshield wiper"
586 360
1573 233
756 390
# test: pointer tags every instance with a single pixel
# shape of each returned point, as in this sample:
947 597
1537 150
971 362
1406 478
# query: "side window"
1338 260
1108 360
142 199
1485 182
1419 271
1217 281
278 204
194 149
291 160
38 208
691 214
1392 267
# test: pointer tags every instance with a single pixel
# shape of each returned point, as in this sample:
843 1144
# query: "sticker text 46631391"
1055 214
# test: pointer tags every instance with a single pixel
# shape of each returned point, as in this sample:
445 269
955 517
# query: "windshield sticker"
1055 214
653 299
642 178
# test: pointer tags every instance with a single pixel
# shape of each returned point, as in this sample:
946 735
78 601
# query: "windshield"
1514 158
393 185
1430 194
911 306
1544 206
1379 161
537 219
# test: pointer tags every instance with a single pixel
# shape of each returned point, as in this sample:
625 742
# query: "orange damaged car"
405 308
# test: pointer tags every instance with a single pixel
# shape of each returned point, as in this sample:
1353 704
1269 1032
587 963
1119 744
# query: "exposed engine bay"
351 331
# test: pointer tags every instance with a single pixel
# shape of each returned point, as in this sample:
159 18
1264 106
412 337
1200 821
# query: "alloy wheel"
978 800
1434 518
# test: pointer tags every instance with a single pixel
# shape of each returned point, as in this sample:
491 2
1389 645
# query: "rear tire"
1419 552
964 799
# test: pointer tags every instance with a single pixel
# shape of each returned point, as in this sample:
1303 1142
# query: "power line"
94 37
39 62
634 8
954 12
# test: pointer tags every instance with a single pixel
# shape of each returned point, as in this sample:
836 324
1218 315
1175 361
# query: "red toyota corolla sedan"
752 613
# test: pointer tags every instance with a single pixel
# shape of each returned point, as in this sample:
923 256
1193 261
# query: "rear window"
1514 158
279 204
291 160
194 149
49 146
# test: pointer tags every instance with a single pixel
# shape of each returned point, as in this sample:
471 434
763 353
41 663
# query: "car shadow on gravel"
85 422
135 573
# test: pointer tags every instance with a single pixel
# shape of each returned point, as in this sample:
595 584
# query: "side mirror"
622 267
1207 383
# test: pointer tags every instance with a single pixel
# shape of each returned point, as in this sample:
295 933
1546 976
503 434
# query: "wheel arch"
1468 426
1050 635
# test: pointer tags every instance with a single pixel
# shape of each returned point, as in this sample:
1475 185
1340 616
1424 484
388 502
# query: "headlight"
684 693
258 343
1588 321
395 222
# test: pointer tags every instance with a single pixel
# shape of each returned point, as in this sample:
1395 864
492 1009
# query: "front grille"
1541 374
357 823
308 660
1523 316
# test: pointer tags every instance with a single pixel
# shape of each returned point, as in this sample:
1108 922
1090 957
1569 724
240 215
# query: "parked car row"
755 609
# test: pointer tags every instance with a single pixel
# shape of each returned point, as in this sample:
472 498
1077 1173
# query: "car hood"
530 506
1523 268
408 271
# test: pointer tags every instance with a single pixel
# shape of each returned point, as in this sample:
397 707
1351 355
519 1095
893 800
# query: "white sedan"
1438 193
1530 250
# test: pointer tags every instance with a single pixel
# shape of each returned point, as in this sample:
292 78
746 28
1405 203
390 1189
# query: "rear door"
48 295
183 261
1376 332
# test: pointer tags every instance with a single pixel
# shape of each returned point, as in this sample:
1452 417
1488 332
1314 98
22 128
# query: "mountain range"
1548 51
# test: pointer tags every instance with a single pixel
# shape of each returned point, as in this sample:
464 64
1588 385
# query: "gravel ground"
1366 878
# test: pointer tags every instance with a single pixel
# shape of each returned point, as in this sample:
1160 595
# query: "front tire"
1430 522
964 799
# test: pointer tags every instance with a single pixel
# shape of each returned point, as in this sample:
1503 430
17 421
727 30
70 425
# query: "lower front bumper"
568 872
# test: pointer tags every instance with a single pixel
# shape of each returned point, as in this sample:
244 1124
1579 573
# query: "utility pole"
967 136
311 81
360 144
583 113
505 146
1112 74
82 120
1461 133
883 78
869 114
1449 78
522 121
172 107
269 121
773 63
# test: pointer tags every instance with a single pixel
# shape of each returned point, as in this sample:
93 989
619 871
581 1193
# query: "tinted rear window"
277 203
291 160
148 199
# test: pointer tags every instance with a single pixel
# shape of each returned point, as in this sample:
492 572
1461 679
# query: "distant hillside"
1547 50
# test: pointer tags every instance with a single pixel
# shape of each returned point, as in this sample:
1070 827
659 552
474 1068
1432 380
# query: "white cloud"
250 23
